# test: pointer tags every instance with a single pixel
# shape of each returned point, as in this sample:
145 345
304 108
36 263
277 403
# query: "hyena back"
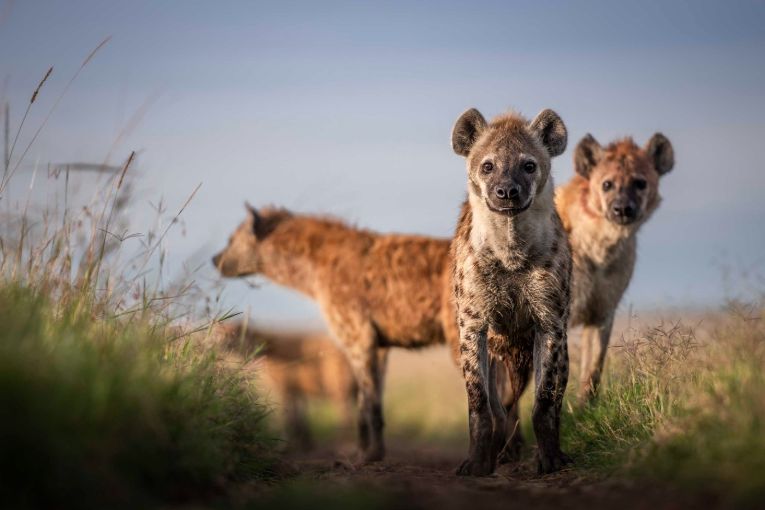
511 268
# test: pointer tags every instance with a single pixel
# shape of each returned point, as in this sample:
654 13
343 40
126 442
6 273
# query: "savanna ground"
112 395
634 448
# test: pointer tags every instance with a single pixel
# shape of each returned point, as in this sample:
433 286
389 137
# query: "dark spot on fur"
470 312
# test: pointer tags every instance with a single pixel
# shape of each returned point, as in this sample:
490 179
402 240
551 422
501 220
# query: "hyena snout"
224 265
508 196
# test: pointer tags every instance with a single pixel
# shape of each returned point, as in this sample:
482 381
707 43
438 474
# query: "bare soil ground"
420 477
426 431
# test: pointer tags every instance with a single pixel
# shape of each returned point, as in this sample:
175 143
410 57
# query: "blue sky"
346 108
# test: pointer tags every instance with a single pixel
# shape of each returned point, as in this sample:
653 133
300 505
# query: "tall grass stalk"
111 393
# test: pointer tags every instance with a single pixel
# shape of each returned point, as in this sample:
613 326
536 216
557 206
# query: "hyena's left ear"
661 153
551 130
253 217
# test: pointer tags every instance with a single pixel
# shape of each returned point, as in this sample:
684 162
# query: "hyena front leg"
595 339
551 376
365 365
360 344
474 356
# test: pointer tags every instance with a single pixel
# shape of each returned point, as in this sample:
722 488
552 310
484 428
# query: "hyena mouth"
509 211
624 221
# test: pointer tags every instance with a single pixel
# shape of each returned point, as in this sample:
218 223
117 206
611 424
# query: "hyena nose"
508 192
215 260
625 210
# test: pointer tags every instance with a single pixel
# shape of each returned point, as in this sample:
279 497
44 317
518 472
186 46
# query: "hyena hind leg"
296 422
516 374
498 413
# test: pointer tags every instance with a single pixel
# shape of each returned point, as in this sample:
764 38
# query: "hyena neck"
516 240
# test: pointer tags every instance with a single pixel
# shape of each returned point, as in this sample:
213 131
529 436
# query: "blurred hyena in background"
299 366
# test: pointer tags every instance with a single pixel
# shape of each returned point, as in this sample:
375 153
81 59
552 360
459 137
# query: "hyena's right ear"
466 131
587 155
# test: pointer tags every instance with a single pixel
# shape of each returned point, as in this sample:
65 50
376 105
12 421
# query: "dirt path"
425 394
424 478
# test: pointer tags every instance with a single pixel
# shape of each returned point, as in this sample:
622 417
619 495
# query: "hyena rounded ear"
587 155
466 131
551 130
661 153
254 216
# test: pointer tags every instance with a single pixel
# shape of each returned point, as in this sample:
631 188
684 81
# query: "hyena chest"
506 308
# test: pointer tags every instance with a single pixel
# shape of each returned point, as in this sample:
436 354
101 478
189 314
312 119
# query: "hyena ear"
660 150
254 217
551 130
466 131
587 155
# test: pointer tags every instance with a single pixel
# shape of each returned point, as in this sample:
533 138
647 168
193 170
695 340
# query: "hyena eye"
640 183
487 167
529 167
607 185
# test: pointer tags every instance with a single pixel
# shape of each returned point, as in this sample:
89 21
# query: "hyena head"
508 160
624 178
242 255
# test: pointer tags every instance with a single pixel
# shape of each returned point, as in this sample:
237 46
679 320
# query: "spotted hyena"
511 266
614 191
375 291
299 366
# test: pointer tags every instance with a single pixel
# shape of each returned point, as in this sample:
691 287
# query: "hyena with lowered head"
511 270
614 191
375 291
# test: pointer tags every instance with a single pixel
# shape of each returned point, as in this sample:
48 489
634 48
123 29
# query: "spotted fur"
511 272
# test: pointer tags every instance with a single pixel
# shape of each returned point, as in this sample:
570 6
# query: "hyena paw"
550 463
471 467
373 454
